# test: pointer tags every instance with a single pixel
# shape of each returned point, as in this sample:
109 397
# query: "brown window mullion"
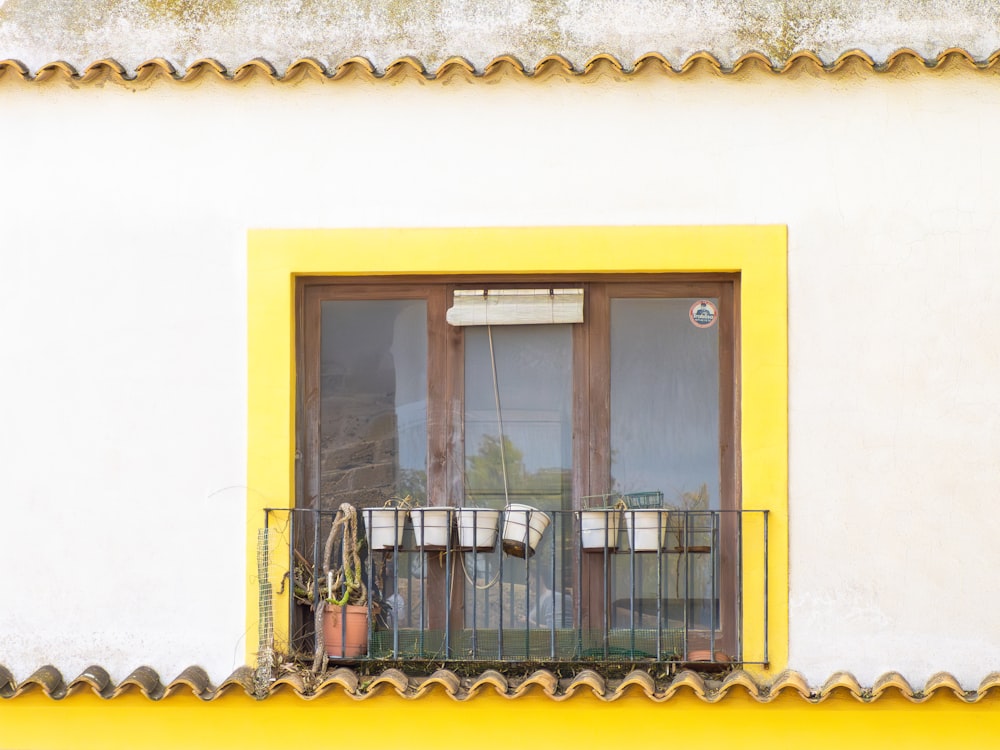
439 398
729 482
595 455
308 372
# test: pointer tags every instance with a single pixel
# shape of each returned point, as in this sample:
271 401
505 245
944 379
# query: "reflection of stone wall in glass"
373 408
358 450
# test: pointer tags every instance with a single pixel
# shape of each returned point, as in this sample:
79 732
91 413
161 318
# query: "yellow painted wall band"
757 253
237 722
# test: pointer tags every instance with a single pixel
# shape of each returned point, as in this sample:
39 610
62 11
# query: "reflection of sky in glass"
664 399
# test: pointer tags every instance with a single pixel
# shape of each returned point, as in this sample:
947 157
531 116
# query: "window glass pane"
664 402
665 439
373 401
535 384
534 374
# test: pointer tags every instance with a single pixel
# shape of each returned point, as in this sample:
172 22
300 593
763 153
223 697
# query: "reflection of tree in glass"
412 482
484 476
484 470
696 525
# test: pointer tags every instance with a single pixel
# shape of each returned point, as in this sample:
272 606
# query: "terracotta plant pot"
701 660
345 631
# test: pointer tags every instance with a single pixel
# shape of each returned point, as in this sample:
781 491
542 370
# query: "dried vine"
348 574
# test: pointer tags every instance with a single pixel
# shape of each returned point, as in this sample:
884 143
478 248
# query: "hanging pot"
385 527
523 527
477 528
647 529
431 526
599 528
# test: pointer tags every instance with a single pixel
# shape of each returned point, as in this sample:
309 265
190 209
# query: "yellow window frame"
275 257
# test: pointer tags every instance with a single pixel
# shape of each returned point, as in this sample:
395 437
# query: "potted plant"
647 528
385 525
523 527
431 526
477 528
342 620
645 521
599 525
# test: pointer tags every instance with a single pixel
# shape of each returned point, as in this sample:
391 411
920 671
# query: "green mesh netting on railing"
563 644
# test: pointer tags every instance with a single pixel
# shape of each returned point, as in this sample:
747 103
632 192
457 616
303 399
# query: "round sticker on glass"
703 313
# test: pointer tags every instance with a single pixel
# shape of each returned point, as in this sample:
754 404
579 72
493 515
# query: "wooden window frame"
591 418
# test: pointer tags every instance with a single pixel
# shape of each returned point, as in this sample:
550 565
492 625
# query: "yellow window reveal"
754 255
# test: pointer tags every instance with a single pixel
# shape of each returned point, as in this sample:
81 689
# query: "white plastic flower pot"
385 527
477 528
523 527
599 528
647 529
431 526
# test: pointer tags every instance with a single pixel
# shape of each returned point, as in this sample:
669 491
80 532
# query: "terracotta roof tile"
893 681
990 683
843 681
96 678
7 684
143 679
753 63
788 681
362 687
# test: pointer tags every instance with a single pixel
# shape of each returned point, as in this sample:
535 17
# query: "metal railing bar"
475 582
687 582
368 599
578 647
713 562
424 567
659 589
606 601
316 568
447 597
631 593
500 567
557 534
527 597
395 580
766 604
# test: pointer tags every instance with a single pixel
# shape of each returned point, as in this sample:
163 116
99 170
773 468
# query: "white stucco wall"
122 301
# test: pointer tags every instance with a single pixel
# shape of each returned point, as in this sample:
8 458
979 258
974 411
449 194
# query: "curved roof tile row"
146 681
901 60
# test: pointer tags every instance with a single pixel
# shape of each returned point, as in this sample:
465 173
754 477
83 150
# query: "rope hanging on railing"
349 575
496 399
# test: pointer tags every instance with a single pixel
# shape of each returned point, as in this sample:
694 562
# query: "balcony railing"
627 586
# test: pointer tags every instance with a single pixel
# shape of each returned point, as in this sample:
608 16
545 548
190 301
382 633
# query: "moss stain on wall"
187 12
546 15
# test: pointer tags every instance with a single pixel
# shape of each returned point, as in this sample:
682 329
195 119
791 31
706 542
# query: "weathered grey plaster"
79 32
